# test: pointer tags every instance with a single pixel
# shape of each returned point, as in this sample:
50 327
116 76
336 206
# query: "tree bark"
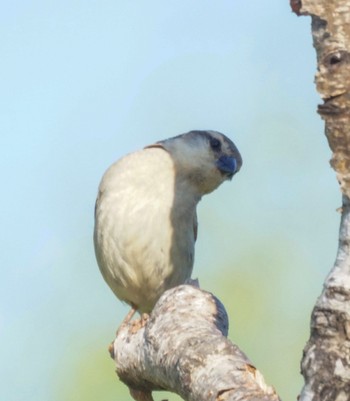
326 360
183 348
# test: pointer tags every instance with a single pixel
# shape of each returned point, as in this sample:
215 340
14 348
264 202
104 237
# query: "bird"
145 214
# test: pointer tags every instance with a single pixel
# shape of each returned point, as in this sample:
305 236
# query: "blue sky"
84 82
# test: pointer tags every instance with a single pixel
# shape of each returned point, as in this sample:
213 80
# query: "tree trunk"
326 360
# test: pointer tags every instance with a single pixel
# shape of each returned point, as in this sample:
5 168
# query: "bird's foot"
144 319
138 324
127 318
124 323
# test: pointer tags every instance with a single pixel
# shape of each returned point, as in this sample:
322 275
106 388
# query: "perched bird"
145 215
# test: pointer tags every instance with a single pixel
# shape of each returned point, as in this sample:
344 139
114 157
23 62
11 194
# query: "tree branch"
326 360
183 348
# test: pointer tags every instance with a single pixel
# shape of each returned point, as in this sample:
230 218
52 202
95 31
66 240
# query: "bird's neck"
186 197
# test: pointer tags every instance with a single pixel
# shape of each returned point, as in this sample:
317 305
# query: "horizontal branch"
183 348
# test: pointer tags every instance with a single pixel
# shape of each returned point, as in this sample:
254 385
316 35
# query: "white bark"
326 360
183 348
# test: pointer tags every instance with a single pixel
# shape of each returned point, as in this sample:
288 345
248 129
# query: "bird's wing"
98 201
155 145
96 205
195 225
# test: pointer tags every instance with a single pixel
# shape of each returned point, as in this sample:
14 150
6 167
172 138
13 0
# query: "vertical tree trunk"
326 360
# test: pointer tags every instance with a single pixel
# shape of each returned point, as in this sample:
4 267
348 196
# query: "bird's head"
204 159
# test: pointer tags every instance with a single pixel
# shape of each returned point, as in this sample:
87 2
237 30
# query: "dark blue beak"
227 165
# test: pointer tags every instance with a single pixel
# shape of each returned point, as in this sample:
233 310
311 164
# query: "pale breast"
139 250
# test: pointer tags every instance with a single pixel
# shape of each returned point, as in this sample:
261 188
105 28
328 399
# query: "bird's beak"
227 165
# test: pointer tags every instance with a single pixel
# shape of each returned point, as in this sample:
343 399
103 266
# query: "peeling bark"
183 348
326 360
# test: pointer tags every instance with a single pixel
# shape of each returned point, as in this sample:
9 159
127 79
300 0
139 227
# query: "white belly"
143 244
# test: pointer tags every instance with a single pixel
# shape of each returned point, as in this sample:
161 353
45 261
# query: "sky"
84 82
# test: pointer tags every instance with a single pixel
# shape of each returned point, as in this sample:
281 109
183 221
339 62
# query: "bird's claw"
138 324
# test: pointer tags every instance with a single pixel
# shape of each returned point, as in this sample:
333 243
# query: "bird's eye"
215 144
